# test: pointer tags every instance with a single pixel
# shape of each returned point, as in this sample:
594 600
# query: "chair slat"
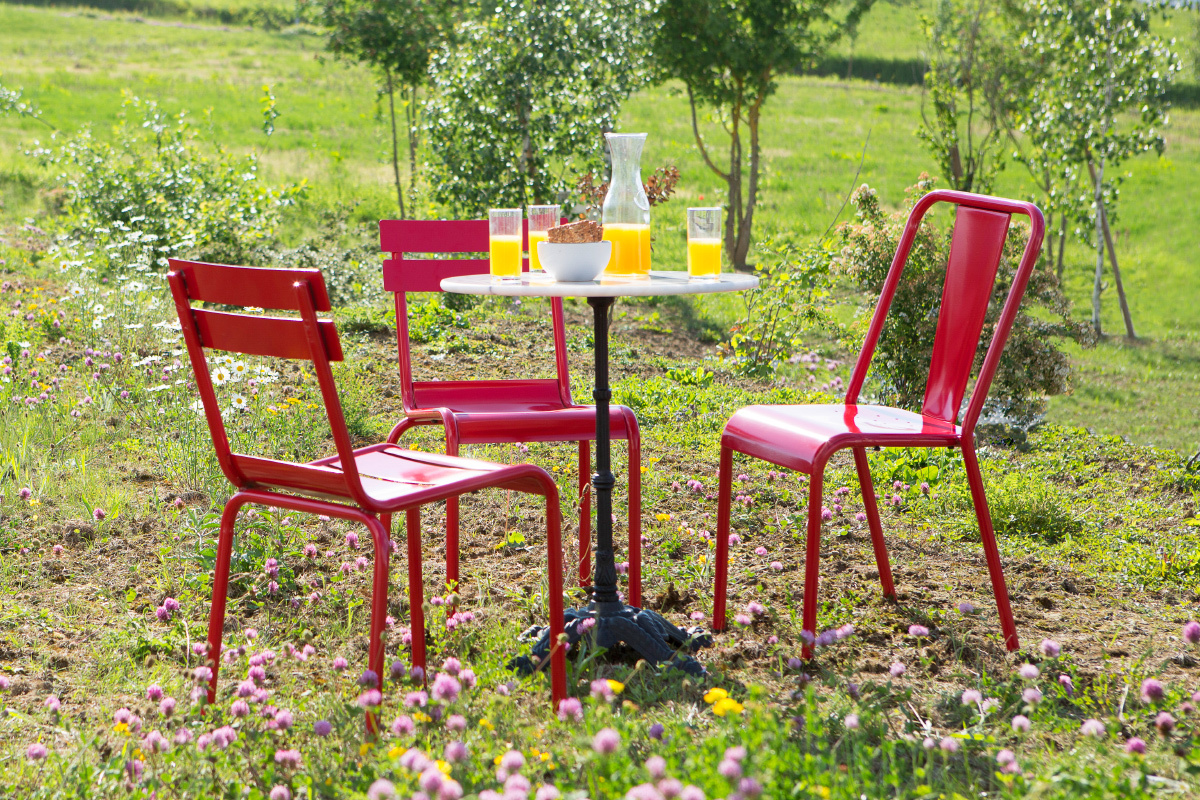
433 236
276 337
263 287
975 251
426 274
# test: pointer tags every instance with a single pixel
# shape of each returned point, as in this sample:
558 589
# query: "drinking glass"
541 219
704 243
504 243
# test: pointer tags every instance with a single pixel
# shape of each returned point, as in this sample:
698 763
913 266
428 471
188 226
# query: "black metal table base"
646 633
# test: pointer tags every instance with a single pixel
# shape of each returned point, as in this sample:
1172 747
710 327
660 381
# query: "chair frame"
331 486
949 374
402 275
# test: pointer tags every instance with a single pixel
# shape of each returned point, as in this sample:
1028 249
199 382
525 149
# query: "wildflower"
53 703
777 566
1067 684
182 736
99 514
1191 632
656 731
755 608
452 666
25 493
1051 648
749 787
1164 722
1135 746
861 516
289 759
743 619
36 751
760 551
240 708
1020 723
1029 672
456 751
730 769
727 705
601 690
370 698
167 707
202 674
322 728
826 514
897 669
1094 728
691 792
368 679
971 697
606 741
257 673
918 631
851 722
1005 757
657 767
966 608
403 725
949 745
381 789
1152 691
155 742
1032 695
280 792
929 743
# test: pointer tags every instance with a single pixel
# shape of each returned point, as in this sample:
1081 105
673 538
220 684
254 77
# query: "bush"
791 298
160 190
1032 367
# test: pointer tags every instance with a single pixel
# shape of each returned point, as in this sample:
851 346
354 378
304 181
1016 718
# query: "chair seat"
561 424
792 436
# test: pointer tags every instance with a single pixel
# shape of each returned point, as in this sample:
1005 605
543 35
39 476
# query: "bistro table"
647 633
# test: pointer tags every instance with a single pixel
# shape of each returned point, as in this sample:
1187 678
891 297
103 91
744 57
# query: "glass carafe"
626 210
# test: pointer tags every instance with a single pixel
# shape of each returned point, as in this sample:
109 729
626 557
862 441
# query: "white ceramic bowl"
574 263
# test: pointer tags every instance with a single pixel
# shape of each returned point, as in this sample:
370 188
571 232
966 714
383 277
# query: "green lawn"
814 134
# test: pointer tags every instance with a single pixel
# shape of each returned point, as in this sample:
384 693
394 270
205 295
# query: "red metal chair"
803 437
361 484
498 411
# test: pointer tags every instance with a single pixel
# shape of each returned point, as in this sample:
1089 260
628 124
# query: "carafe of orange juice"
626 210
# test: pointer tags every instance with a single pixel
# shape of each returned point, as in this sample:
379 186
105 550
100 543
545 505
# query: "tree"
729 54
1100 101
970 84
519 105
394 37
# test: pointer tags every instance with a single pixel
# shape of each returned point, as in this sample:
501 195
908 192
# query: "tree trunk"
733 214
742 249
391 90
413 118
1062 243
1112 257
1096 284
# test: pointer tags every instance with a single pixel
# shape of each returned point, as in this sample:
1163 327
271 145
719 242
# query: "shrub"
1032 368
791 298
159 190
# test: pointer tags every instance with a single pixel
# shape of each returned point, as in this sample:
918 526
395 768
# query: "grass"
1098 536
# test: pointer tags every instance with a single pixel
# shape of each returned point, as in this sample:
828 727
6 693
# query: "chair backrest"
402 273
980 229
307 338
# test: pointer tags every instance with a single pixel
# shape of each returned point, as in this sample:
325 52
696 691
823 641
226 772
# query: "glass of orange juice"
704 243
504 243
541 219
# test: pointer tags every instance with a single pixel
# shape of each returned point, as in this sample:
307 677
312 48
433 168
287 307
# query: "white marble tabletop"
542 285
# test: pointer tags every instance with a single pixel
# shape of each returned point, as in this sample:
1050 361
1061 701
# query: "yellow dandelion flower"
496 761
487 723
419 717
544 756
396 752
443 766
727 705
715 694
365 748
662 517
616 686
121 727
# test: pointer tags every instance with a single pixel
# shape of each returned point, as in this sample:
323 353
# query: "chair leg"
988 535
379 594
877 542
216 615
585 514
416 593
558 662
635 513
724 499
812 554
451 522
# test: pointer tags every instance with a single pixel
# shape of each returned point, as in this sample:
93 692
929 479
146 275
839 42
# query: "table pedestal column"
647 633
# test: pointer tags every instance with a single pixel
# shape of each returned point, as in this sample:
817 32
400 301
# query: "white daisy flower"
239 370
220 376
239 402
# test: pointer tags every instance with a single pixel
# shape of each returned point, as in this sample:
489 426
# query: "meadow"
109 496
